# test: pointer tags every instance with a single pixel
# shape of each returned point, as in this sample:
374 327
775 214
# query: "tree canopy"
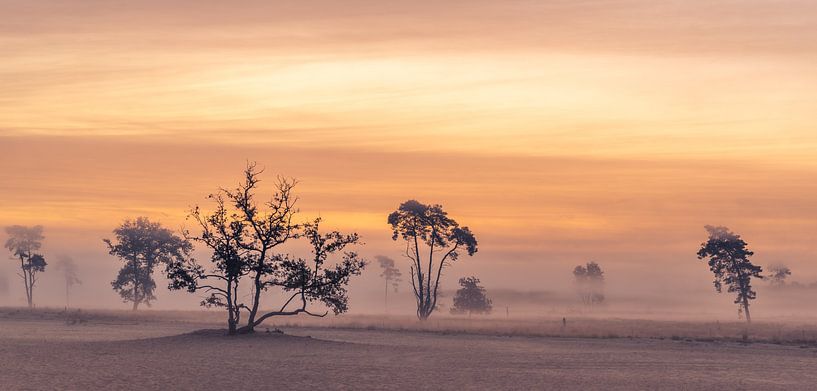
471 298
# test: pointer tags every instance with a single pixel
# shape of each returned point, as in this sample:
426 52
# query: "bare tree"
23 242
243 237
142 244
471 298
728 259
778 275
589 280
419 224
69 272
391 274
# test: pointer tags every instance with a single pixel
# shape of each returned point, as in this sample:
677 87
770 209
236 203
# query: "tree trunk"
250 327
231 320
386 298
425 310
29 297
231 330
746 310
136 298
25 281
30 290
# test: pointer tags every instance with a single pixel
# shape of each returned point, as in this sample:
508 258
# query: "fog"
641 221
551 292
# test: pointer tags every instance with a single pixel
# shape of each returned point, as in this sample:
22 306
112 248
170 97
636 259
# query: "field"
51 349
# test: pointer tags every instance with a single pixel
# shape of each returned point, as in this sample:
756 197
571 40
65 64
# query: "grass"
784 333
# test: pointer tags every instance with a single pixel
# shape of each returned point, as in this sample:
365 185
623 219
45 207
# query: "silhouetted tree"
728 259
142 244
22 242
419 224
391 274
471 298
778 275
69 272
589 281
243 238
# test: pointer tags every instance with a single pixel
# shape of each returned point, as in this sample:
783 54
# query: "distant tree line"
245 238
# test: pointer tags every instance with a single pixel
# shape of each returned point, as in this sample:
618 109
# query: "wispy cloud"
556 129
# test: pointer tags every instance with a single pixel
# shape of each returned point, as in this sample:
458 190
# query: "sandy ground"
45 352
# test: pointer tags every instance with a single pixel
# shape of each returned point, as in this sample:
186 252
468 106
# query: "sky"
558 131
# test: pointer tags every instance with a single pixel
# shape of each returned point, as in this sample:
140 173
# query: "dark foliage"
471 298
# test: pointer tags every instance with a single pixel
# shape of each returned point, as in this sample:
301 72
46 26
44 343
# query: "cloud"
558 131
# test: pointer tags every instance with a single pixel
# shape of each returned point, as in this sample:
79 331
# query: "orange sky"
559 131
